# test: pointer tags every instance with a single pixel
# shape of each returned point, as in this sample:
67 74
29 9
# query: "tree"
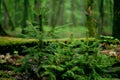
53 14
8 15
101 11
25 15
60 12
0 8
37 7
73 17
2 32
116 19
5 18
16 9
89 19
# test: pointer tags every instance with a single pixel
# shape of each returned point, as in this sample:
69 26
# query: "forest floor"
7 61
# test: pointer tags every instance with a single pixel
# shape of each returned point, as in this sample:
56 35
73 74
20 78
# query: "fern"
76 61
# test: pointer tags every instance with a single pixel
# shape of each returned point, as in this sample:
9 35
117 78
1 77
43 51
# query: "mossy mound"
6 41
11 44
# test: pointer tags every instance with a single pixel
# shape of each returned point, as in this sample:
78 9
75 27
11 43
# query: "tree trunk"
60 13
5 7
41 32
73 18
25 16
37 10
5 18
2 32
16 2
53 15
101 11
89 20
0 5
116 19
40 23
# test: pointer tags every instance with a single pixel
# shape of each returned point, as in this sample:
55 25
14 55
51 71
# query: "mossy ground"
8 41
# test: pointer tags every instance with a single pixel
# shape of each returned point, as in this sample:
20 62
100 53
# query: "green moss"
11 44
6 41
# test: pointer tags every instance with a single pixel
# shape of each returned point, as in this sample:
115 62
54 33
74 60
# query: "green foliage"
109 39
5 75
45 8
64 61
9 41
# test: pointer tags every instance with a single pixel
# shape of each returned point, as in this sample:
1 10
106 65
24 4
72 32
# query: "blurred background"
63 18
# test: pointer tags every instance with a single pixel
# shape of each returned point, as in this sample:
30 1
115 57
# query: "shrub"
68 61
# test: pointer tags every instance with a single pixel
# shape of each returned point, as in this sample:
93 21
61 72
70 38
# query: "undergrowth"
75 60
68 61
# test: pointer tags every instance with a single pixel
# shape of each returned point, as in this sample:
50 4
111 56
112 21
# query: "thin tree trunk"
15 11
37 9
0 8
0 5
60 13
25 16
5 7
111 11
40 23
101 11
56 13
50 13
116 19
41 32
53 15
89 20
5 20
73 19
2 32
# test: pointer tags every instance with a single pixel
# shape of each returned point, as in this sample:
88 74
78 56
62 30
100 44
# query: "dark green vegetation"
96 16
59 40
62 60
116 24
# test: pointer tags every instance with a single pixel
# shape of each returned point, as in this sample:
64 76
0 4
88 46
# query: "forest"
59 40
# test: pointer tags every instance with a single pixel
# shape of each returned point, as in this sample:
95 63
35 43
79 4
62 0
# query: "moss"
13 41
11 44
7 41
